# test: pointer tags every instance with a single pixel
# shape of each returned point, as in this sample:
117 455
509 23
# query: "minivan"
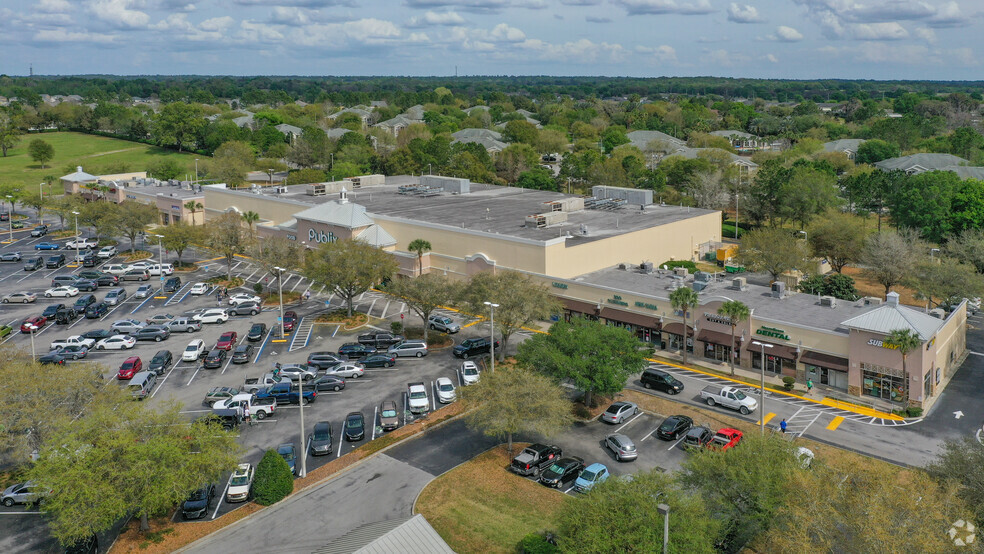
96 310
416 348
64 281
115 296
142 384
661 380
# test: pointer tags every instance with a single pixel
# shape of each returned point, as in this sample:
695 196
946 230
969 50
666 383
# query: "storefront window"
927 385
775 364
882 382
568 315
717 352
676 342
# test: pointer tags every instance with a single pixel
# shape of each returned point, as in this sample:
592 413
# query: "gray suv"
443 323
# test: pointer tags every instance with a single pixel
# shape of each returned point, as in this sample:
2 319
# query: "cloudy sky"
879 39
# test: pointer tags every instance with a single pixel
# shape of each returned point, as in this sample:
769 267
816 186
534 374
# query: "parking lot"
187 382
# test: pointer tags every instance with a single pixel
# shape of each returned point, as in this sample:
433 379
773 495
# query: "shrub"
788 382
396 327
273 479
691 266
535 543
913 411
258 288
728 231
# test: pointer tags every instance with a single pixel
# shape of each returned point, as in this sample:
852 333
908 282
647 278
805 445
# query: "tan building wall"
218 201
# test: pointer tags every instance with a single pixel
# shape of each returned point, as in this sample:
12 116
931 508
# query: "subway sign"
883 344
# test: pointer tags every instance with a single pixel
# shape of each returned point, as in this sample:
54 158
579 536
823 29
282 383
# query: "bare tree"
890 257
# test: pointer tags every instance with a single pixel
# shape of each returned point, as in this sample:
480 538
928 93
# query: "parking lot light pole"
300 403
492 308
77 253
764 345
280 289
33 328
10 217
665 510
160 254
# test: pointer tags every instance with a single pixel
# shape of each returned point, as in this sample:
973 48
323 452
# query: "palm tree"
683 299
193 207
419 246
905 341
251 218
737 312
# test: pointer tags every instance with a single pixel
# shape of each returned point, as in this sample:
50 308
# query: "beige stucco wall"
218 201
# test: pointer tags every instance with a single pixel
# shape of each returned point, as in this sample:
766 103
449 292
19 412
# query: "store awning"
780 350
580 307
715 337
828 361
640 320
677 329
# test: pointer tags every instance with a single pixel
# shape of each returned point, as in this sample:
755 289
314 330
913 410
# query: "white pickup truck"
729 397
417 398
260 409
81 243
74 340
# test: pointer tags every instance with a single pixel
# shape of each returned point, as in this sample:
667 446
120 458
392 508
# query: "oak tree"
348 268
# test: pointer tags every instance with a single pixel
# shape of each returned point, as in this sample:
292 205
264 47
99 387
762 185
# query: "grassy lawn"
482 507
97 155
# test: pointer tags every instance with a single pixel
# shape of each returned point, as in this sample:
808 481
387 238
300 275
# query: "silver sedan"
22 296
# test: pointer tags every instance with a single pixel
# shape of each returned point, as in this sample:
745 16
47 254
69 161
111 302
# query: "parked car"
562 471
23 297
83 302
443 323
355 351
535 458
116 270
473 347
298 371
622 446
323 360
34 264
445 390
405 348
661 380
39 231
65 316
347 370
240 483
729 397
46 246
161 362
54 262
246 308
214 359
64 281
469 373
242 354
22 493
152 332
126 326
143 291
184 325
697 437
106 252
98 334
256 332
289 454
145 266
327 383
199 289
725 439
196 506
619 411
116 342
227 340
52 309
290 320
33 323
5 330
237 299
172 284
389 418
194 351
86 285
380 339
54 357
159 319
156 270
130 367
135 275
81 243
74 351
212 315
674 427
591 476
97 310
115 296
61 292
320 440
10 257
379 360
355 427
217 394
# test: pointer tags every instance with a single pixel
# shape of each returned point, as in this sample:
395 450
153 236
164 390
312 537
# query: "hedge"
273 481
691 266
728 231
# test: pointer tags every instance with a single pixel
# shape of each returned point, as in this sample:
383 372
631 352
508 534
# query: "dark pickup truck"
286 393
380 339
535 458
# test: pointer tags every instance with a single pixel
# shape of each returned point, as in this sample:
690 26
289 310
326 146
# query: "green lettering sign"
772 332
559 285
652 307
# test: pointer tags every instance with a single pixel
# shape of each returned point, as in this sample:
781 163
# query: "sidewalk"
753 377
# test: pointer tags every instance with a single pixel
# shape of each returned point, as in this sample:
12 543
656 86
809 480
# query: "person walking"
809 386
246 416
782 426
307 295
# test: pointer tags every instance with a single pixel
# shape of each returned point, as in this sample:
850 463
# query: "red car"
131 366
290 318
725 439
227 340
36 320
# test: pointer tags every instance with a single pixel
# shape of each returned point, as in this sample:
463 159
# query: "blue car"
46 246
591 476
286 450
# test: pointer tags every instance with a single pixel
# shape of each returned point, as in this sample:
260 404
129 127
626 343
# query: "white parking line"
620 427
199 368
433 398
341 436
161 384
375 411
677 443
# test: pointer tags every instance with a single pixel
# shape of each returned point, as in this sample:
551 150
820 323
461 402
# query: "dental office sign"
321 236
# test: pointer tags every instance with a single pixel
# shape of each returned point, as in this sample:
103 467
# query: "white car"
143 291
106 252
469 373
346 370
116 342
445 390
240 483
157 269
61 291
193 351
139 265
199 289
212 315
237 299
114 269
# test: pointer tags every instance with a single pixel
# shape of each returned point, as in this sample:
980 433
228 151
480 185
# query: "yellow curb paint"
210 260
279 340
160 298
833 425
476 322
847 407
768 417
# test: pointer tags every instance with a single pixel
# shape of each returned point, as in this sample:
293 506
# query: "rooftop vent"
938 313
828 301
778 289
739 283
892 298
646 267
871 301
680 271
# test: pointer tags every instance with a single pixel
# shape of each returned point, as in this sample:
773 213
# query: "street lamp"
160 254
77 260
430 169
280 288
10 220
32 328
933 251
196 171
764 345
300 403
492 308
805 236
40 201
665 510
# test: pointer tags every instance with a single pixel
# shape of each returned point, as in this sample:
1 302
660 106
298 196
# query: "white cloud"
582 49
291 15
216 23
430 19
682 7
743 13
53 6
879 31
723 57
49 35
787 34
119 13
580 2
879 21
361 32
660 54
948 15
926 34
250 31
505 33
771 58
177 25
491 6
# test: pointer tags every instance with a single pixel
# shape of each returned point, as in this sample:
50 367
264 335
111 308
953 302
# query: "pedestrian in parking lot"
809 386
307 295
782 425
249 420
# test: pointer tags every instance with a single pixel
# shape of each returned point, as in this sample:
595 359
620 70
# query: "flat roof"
164 189
796 308
498 210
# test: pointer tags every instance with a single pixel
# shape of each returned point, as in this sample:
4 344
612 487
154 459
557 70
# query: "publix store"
840 345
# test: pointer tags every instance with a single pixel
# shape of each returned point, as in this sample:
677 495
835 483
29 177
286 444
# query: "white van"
142 384
158 269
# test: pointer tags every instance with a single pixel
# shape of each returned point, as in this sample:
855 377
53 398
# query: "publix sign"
321 236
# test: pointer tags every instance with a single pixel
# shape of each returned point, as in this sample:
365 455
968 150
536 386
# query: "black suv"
674 426
661 380
172 284
473 347
323 360
96 310
160 362
214 359
34 263
54 262
354 350
65 316
257 332
53 309
196 507
84 301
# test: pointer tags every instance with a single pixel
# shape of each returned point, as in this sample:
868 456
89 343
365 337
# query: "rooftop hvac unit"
778 289
281 190
622 266
872 301
938 313
680 271
317 189
739 283
828 301
640 197
647 267
700 285
702 277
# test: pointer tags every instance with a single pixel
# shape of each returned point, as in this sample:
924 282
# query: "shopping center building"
602 256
